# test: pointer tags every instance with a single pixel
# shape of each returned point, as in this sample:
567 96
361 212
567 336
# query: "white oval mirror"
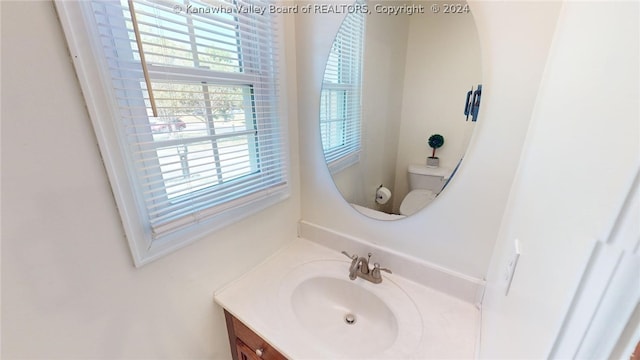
401 85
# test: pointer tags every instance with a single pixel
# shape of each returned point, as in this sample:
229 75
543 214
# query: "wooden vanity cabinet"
247 345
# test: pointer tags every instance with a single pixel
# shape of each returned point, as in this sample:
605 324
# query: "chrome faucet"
360 268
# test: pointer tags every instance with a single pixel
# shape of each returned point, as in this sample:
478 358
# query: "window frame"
76 20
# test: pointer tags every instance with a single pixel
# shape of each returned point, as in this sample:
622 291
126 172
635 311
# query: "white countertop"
449 325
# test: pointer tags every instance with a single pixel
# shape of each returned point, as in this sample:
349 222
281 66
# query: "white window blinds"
199 128
340 106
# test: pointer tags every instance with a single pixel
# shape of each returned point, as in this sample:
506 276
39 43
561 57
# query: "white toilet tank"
424 184
423 177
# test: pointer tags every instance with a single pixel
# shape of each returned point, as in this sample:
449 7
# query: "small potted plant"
435 141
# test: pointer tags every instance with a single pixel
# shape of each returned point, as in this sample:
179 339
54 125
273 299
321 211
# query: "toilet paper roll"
383 195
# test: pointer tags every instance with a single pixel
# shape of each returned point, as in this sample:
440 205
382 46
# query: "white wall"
457 231
69 288
443 63
581 151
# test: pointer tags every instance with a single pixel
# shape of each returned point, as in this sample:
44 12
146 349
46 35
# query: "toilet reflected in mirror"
425 183
385 91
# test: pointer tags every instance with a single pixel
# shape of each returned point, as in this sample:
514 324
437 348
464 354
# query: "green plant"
435 141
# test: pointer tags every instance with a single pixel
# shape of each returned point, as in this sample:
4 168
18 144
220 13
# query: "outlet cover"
510 269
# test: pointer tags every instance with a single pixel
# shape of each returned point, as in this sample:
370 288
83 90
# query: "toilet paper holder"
382 195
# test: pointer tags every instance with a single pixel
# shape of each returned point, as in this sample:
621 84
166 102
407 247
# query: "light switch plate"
510 269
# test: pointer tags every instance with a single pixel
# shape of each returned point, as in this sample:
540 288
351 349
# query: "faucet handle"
376 270
377 266
352 257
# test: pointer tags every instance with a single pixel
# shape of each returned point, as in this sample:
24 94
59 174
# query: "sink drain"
350 319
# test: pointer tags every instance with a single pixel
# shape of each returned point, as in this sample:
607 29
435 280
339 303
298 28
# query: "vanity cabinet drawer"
244 352
247 345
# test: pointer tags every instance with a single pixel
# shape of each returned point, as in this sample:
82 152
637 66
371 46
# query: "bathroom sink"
349 318
303 304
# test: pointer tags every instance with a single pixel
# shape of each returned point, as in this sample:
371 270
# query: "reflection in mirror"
340 107
411 80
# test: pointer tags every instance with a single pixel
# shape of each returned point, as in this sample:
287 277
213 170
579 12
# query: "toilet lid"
416 200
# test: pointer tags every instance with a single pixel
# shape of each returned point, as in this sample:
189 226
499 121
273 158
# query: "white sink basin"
298 299
349 318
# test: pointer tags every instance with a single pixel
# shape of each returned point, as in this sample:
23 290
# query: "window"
190 132
340 107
